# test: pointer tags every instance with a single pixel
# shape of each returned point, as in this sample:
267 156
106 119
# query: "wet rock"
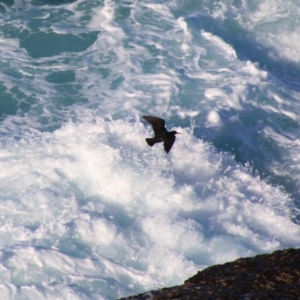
273 276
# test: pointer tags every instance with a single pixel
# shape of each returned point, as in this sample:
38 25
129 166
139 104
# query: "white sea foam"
225 48
92 200
89 211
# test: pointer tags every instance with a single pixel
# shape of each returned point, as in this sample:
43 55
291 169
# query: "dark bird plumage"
161 134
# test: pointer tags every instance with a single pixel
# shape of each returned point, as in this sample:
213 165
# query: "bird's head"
175 132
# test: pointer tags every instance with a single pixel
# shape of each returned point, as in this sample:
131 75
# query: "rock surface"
268 276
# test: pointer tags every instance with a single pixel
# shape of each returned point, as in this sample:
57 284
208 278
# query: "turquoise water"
88 210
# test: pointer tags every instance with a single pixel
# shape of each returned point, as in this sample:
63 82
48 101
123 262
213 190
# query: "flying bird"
161 134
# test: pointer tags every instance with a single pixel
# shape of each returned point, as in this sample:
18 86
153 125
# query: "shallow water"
88 210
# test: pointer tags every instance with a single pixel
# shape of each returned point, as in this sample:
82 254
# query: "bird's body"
161 134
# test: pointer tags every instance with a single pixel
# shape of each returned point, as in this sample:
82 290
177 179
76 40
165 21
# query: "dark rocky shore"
269 276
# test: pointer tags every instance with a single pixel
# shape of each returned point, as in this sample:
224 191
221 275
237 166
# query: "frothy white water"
91 210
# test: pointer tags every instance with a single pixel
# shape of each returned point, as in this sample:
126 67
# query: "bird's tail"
150 141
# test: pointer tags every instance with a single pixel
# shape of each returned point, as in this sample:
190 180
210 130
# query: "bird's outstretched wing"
158 124
168 143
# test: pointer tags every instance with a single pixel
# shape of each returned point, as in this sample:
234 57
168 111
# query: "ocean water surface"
88 210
